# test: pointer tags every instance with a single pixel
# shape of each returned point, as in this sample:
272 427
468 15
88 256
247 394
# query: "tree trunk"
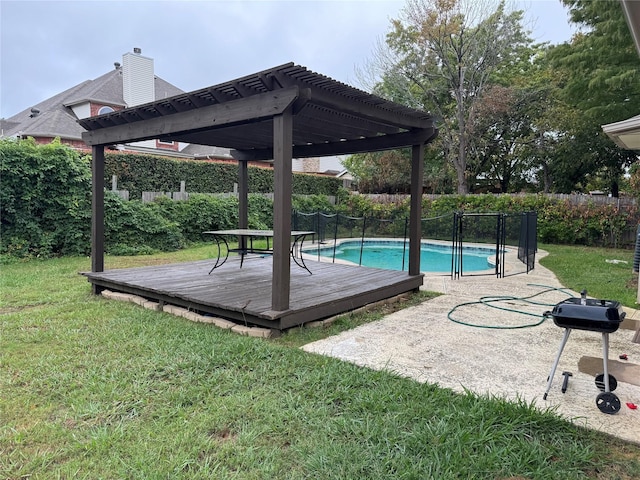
615 189
546 178
461 165
462 180
461 162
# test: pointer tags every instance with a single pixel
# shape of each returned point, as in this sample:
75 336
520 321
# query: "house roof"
330 118
626 134
55 117
106 89
203 151
51 113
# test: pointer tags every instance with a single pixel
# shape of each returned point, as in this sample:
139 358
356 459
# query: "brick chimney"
138 78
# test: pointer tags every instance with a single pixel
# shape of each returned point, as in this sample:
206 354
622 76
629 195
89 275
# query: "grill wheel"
613 383
608 403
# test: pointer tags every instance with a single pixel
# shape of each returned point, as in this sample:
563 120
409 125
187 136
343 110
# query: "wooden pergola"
275 115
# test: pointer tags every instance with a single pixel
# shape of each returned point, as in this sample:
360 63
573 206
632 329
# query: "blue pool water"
388 255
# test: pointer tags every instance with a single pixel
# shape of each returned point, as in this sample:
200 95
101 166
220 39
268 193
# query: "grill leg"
605 360
567 331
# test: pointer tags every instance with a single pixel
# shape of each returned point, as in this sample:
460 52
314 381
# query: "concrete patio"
423 343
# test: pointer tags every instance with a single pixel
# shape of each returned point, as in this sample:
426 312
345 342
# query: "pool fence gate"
501 232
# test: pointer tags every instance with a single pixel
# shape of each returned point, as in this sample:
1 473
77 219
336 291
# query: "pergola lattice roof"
330 118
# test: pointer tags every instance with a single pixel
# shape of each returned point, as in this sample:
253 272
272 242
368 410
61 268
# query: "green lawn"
91 388
605 273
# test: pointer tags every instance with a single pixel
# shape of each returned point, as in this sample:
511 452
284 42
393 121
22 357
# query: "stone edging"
229 325
189 315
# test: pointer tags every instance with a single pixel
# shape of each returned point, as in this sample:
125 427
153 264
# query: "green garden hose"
489 300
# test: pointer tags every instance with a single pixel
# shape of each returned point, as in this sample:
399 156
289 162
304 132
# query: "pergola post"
415 214
97 209
243 199
282 157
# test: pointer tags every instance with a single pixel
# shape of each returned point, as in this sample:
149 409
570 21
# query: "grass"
604 272
91 388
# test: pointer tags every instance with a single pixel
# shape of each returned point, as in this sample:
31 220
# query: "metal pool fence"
503 232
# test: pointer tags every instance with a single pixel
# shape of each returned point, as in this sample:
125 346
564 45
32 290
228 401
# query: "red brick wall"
167 146
77 144
268 165
95 107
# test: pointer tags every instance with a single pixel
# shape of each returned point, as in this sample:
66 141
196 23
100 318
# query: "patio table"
244 248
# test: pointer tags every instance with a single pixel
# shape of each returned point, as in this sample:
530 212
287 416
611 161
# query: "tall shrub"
133 227
45 199
201 213
148 173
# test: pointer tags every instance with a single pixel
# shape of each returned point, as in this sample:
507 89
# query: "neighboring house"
129 84
328 166
626 134
348 181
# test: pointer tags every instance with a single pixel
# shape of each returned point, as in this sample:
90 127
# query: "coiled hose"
489 300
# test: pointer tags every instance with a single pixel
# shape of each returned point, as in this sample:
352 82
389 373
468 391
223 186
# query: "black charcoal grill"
603 316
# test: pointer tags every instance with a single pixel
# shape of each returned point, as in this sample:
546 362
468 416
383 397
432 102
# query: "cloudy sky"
49 46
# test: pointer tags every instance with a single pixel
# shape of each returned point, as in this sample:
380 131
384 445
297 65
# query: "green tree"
441 55
390 171
505 125
439 175
599 74
381 172
601 66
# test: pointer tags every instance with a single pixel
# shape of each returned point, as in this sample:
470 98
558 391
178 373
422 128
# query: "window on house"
104 110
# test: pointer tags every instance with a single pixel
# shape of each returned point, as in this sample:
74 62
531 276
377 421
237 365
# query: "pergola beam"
375 144
254 108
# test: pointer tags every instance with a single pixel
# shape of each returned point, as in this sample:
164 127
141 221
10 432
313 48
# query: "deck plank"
245 293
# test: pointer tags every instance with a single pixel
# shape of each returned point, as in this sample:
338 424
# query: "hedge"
45 199
145 173
559 221
45 207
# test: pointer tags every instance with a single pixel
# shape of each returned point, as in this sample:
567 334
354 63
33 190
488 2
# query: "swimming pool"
387 254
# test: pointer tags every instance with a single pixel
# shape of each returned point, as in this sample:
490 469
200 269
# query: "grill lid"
588 314
592 309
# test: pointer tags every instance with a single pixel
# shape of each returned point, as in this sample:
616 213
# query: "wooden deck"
244 294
